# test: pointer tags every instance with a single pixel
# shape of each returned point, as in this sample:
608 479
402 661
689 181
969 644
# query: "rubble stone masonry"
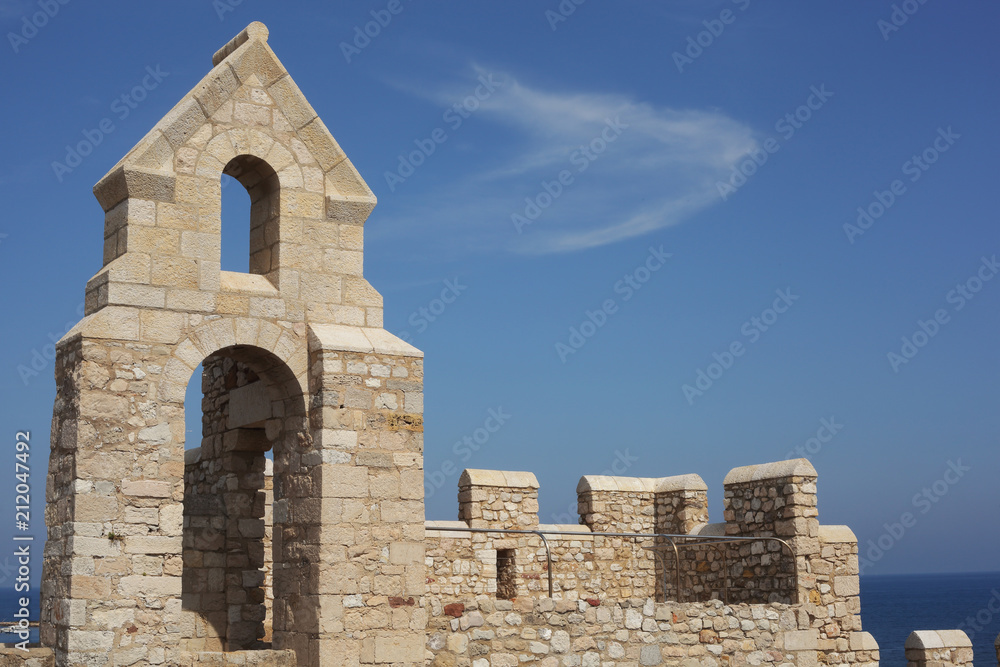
291 531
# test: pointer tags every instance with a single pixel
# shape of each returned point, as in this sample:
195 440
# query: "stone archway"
348 474
229 549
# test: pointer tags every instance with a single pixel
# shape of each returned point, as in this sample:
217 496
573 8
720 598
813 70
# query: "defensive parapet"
938 648
771 547
498 499
790 585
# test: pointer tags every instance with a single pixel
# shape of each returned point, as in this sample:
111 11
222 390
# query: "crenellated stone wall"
498 499
591 569
817 584
772 500
318 554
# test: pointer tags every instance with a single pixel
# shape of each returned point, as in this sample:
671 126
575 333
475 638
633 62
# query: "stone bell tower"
152 559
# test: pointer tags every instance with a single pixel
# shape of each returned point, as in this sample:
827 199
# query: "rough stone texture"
938 648
669 505
33 657
218 556
498 499
258 658
152 560
557 633
597 570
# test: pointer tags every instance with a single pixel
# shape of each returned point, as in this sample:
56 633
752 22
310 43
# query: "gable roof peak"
256 31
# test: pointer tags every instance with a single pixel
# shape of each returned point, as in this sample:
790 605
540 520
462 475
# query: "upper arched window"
253 247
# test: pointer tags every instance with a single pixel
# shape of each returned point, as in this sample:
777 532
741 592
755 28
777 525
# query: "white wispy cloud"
650 167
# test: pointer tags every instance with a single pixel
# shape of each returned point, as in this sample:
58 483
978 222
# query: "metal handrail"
704 540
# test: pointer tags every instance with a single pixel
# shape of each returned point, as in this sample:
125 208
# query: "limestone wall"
498 499
771 500
485 632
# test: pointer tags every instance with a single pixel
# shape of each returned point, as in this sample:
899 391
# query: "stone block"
844 586
650 655
142 544
292 102
862 641
345 482
147 488
139 586
89 587
199 245
399 648
404 553
90 640
90 507
157 326
801 640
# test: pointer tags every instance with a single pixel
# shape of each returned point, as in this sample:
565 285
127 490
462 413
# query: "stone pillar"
672 505
773 500
681 504
835 569
681 508
367 434
621 505
617 504
938 648
498 499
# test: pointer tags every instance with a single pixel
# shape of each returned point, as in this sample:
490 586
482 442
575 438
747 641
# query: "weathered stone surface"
195 545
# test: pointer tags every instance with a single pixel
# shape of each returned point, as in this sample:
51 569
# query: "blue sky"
623 232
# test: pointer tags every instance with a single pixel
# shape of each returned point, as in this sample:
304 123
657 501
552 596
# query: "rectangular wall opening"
506 574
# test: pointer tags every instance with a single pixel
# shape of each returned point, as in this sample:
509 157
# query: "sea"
892 606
